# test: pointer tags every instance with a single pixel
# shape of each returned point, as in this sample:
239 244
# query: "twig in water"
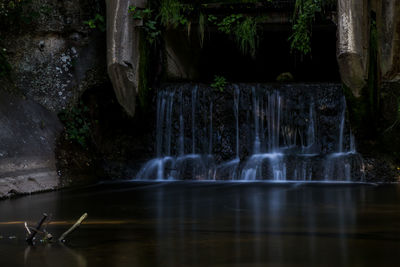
70 230
30 237
27 229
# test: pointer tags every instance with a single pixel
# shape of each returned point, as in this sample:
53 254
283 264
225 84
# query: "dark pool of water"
204 224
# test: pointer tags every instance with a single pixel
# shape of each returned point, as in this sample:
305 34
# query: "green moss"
285 77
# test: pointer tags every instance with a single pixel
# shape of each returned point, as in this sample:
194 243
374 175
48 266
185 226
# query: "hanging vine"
172 14
305 12
303 17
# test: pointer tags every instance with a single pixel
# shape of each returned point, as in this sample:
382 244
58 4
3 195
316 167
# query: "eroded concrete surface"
27 140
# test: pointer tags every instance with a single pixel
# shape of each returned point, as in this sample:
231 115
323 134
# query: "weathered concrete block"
182 55
27 140
388 23
51 56
353 43
123 53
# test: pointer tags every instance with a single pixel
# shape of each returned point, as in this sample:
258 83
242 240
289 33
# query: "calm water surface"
210 224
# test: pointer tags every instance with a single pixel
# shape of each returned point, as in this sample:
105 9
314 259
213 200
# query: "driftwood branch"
34 231
70 230
27 228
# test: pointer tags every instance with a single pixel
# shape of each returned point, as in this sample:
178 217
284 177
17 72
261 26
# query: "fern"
246 36
171 13
304 15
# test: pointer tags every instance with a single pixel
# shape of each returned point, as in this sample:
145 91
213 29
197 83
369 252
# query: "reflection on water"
53 255
203 224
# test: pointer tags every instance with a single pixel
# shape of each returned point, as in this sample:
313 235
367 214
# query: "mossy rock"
285 77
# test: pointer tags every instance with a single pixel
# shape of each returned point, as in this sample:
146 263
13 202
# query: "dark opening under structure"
220 55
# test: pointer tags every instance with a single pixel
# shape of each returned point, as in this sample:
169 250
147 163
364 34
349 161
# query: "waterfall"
181 127
339 164
291 132
342 121
256 146
236 109
155 168
267 160
311 140
194 96
168 120
210 141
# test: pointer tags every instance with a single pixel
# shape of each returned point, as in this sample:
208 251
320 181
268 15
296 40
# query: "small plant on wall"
77 125
150 27
98 22
219 83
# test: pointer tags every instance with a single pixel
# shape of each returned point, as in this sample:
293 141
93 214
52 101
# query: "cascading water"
339 164
266 141
253 132
230 168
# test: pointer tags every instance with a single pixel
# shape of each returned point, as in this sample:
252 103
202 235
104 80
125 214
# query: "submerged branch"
27 229
34 231
70 230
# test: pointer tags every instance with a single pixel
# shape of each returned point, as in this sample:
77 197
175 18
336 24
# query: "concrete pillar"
353 43
123 51
388 23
